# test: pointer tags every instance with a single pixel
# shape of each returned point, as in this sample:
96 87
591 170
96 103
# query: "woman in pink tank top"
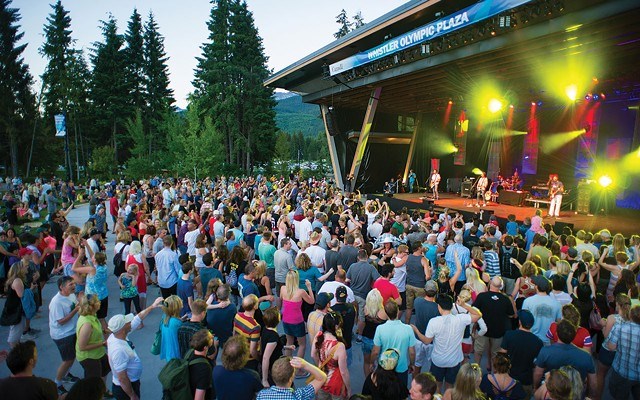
291 298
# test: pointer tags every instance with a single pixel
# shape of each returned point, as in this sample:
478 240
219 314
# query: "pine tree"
345 24
79 107
212 81
17 102
255 114
57 49
358 20
109 94
158 95
134 62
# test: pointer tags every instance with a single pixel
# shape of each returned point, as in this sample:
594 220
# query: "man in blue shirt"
245 282
168 268
464 255
283 374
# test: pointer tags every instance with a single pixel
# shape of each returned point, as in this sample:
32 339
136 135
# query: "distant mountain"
292 115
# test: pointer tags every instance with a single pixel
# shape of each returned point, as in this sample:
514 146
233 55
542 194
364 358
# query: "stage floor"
622 221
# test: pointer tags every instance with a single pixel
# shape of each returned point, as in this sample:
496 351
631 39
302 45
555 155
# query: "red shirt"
582 339
387 289
113 206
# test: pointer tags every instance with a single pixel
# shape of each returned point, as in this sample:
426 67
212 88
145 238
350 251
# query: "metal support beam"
364 133
331 144
412 146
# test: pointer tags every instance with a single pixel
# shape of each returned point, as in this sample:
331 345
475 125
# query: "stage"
626 222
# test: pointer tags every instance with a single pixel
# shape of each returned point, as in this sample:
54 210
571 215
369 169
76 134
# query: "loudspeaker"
465 189
332 122
558 226
583 199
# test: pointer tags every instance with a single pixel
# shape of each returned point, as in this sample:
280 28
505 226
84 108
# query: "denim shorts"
295 330
367 345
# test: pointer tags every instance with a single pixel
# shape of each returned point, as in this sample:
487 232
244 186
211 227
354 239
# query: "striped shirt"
492 263
247 326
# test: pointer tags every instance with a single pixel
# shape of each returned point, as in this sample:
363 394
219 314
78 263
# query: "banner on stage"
458 20
61 125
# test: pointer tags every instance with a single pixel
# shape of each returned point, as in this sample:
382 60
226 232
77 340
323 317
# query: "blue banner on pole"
460 19
61 125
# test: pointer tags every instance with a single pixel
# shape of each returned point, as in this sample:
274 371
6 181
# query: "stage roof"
606 31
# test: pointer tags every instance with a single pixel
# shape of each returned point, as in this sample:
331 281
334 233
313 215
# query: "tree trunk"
13 150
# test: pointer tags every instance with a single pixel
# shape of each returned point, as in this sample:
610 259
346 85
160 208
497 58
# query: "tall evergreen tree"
79 107
212 80
17 102
158 95
254 110
109 94
345 25
135 63
358 20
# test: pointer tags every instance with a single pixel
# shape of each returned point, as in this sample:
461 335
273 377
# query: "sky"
290 29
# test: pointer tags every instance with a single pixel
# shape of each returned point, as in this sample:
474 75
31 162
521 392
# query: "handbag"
595 318
157 341
322 364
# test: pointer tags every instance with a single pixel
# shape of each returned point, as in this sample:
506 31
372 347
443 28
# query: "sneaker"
28 336
61 390
70 378
34 331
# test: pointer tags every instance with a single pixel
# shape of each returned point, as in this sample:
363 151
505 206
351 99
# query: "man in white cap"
126 366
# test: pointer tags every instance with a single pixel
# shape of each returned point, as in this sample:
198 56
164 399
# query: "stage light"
539 103
588 97
476 171
571 92
495 105
533 104
510 105
602 96
450 102
455 149
605 181
596 97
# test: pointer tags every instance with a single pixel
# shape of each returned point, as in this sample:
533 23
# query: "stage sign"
61 126
458 20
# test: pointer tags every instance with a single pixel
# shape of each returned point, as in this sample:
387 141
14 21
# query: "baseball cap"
24 252
341 294
323 299
543 284
526 318
431 286
572 252
94 231
389 359
118 322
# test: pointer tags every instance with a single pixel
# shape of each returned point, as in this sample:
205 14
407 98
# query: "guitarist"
556 189
434 181
483 182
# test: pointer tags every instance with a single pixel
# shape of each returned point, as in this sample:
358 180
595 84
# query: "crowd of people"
268 284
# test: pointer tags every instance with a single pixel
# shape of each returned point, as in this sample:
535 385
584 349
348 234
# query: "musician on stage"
556 189
434 181
483 183
412 180
516 182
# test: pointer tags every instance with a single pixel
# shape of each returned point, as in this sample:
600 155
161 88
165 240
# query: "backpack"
506 267
232 277
118 262
174 377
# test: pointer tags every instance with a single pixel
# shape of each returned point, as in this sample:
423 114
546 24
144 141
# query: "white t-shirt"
400 277
190 240
122 357
125 252
447 332
305 229
562 297
316 254
330 287
59 307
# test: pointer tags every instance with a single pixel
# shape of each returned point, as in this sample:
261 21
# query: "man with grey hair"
464 256
282 262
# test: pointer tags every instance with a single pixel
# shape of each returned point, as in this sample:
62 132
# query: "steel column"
364 134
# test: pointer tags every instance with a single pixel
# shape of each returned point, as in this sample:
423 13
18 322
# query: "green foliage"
229 87
103 164
134 62
292 115
17 102
358 20
345 25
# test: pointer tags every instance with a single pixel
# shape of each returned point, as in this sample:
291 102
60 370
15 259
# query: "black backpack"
507 269
118 262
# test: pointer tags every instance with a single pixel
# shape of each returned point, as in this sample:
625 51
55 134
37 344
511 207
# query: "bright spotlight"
476 171
495 105
572 92
605 181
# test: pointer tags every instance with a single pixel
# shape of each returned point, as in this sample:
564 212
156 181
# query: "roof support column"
331 144
364 133
412 147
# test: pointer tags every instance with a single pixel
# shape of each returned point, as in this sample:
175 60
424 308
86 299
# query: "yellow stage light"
495 105
605 181
476 171
571 92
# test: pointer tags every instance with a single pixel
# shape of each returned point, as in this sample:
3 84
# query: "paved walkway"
49 358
